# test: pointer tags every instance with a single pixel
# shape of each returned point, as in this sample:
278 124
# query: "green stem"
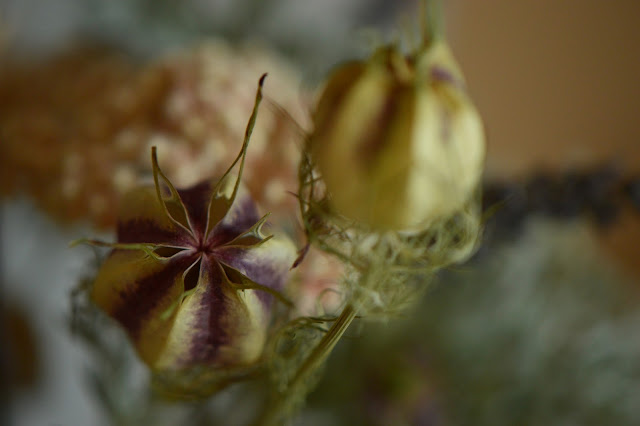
274 411
432 21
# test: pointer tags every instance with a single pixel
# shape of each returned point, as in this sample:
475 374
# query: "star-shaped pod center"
192 276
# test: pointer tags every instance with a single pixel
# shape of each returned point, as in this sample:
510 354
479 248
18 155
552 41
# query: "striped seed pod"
192 277
397 140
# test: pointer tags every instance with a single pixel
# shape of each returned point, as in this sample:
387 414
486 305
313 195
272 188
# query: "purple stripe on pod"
142 219
145 230
144 293
208 312
261 265
196 202
242 215
183 309
443 75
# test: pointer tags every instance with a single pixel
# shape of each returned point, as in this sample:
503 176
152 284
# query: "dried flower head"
192 276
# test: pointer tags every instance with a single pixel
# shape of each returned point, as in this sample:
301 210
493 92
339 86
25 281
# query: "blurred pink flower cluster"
77 129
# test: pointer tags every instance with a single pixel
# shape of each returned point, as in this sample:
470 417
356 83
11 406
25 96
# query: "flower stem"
274 411
431 21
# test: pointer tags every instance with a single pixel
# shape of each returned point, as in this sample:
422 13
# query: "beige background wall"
558 83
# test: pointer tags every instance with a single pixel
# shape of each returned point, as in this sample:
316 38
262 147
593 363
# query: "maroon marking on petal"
442 75
376 136
221 236
212 327
302 253
245 216
147 292
148 231
196 201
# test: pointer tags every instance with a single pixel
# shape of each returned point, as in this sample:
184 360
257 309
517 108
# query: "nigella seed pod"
397 140
192 277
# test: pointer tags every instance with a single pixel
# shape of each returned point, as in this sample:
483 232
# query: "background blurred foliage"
537 331
318 34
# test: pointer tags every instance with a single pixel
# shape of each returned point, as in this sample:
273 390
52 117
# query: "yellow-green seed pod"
397 140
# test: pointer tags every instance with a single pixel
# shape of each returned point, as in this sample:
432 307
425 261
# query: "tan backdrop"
558 83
